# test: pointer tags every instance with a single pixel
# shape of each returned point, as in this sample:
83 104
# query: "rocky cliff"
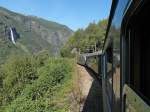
31 34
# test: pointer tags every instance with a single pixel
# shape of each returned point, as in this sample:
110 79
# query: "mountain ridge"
32 33
32 16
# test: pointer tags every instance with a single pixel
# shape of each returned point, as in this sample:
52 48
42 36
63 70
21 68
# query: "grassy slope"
7 48
50 92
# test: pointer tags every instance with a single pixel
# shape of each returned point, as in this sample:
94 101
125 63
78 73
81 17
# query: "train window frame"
109 59
132 45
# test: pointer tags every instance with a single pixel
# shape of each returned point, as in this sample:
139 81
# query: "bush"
28 87
17 72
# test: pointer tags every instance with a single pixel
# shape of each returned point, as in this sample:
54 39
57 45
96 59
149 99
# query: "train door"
136 62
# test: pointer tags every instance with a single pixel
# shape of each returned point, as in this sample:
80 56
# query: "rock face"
33 33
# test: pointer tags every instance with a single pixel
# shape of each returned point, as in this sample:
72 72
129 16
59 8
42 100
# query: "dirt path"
88 91
85 80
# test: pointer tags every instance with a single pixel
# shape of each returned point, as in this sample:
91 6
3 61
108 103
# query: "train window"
139 53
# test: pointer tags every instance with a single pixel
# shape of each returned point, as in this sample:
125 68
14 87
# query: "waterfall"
12 36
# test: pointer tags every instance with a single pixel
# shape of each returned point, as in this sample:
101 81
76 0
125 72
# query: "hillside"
84 39
36 83
32 34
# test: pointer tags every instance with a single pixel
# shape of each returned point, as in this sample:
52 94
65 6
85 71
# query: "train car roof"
112 11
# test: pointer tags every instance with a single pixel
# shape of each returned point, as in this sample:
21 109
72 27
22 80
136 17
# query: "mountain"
30 34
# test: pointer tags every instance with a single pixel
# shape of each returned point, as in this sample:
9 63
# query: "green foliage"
41 57
6 49
16 72
65 52
93 34
35 83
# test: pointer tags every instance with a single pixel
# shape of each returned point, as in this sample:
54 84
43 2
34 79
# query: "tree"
94 34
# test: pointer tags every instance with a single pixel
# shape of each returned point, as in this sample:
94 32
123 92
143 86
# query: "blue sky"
73 13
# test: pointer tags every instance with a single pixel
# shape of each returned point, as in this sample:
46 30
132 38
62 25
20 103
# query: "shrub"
46 93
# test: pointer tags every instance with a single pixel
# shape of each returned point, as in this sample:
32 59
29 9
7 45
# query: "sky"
73 13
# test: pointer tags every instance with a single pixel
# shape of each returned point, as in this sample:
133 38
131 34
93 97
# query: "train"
125 58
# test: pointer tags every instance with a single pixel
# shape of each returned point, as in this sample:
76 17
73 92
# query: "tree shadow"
93 102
